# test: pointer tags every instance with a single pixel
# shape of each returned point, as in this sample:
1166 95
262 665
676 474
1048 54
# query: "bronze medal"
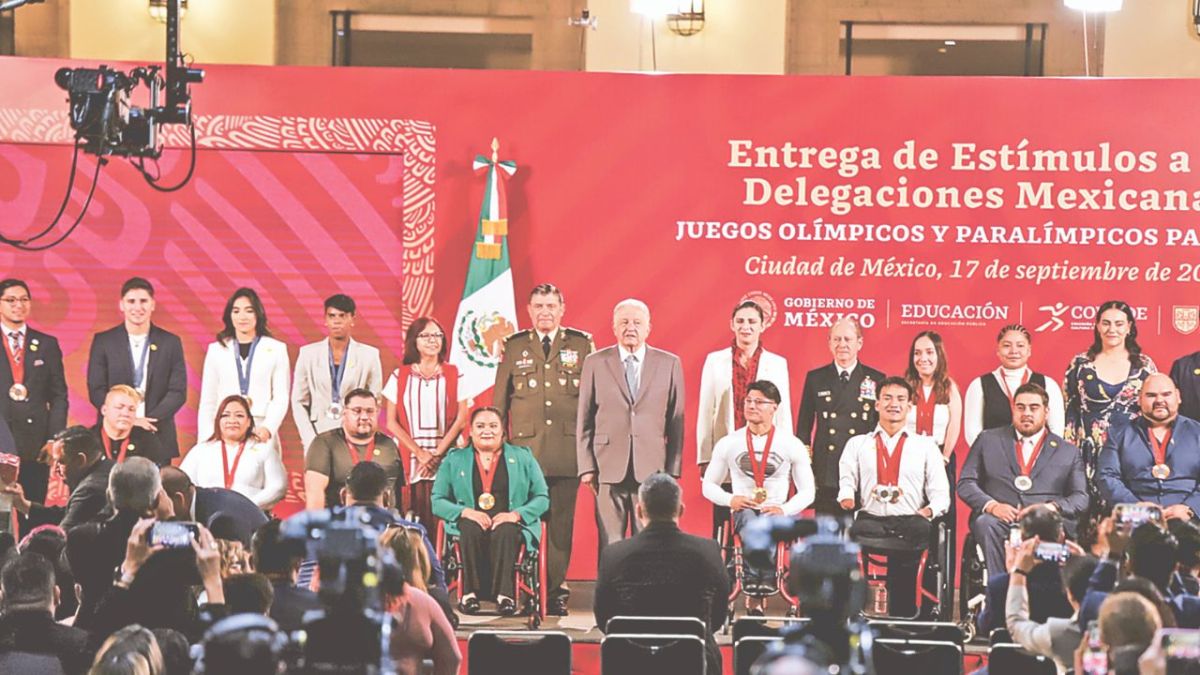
1161 471
486 501
897 493
18 392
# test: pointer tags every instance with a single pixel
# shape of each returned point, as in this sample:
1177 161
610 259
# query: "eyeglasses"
429 336
758 402
363 412
16 301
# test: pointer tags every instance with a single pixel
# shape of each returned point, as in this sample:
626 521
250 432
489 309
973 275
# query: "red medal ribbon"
16 360
237 459
887 471
1159 449
759 468
367 453
1026 467
1004 383
108 447
925 407
487 477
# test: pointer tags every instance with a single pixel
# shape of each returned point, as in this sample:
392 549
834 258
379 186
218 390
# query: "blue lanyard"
336 372
139 365
244 375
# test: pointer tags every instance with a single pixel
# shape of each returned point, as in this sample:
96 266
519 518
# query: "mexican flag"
487 312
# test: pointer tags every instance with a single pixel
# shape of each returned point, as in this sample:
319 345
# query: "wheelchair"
972 588
935 605
530 572
731 551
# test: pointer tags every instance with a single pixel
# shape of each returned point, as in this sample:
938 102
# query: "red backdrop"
317 180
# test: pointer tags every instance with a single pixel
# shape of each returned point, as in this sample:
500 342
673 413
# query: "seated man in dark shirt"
1047 597
661 571
27 624
86 469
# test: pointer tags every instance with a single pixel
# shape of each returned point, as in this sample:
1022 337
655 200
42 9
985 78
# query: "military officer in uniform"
838 403
537 393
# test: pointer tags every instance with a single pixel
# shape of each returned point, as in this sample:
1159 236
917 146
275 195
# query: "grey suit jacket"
313 384
991 466
612 426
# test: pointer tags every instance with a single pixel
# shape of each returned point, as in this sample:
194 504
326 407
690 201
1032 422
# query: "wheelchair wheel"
972 587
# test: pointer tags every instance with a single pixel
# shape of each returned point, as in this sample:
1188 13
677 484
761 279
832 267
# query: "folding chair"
492 652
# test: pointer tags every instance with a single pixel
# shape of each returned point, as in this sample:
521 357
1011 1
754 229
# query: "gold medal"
18 392
1161 471
486 501
760 495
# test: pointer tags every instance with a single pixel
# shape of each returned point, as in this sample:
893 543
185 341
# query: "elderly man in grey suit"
1012 468
630 421
335 363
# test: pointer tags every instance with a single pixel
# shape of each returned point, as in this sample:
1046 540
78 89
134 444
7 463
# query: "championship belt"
486 501
18 392
1160 470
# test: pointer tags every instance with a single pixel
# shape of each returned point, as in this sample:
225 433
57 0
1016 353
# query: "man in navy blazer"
1012 468
239 518
1156 457
33 388
145 357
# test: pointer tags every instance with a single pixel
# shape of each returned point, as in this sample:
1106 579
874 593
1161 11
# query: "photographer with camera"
1153 555
1047 594
1055 637
1156 457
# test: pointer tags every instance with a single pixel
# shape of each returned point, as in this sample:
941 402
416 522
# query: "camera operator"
1153 555
154 586
86 470
281 564
901 482
94 550
1055 637
1047 596
29 596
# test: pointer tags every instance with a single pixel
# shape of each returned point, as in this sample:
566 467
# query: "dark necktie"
546 346
845 376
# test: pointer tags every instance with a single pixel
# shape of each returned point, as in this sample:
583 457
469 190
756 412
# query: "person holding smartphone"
1056 637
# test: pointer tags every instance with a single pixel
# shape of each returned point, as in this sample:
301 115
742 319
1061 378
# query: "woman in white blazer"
245 360
719 414
232 458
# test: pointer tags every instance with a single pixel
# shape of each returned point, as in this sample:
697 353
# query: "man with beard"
86 471
1156 457
334 453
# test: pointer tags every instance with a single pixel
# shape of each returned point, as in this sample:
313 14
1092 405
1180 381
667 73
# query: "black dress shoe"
506 606
557 606
469 605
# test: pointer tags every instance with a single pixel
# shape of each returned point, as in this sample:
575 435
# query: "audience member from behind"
202 505
248 593
420 629
95 549
409 549
662 571
28 597
1047 597
1188 535
1055 637
50 542
133 650
1128 623
86 470
280 564
177 653
245 644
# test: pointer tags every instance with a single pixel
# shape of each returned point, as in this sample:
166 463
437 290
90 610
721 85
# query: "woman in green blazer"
491 495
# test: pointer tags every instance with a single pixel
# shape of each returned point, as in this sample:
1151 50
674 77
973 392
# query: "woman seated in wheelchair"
491 496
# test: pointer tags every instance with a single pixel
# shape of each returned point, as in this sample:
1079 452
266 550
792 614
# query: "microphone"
13 4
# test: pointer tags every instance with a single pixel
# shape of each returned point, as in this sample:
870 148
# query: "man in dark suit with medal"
149 359
1156 457
537 394
1010 469
36 403
838 403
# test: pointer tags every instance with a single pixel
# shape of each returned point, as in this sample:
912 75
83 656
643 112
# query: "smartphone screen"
1095 654
1181 647
173 535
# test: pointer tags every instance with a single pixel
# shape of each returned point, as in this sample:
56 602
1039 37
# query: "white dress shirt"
260 475
973 402
788 456
922 475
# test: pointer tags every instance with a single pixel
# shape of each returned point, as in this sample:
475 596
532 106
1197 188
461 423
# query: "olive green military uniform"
537 392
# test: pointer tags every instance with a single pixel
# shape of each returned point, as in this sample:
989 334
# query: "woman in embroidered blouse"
1103 383
246 360
423 410
233 459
